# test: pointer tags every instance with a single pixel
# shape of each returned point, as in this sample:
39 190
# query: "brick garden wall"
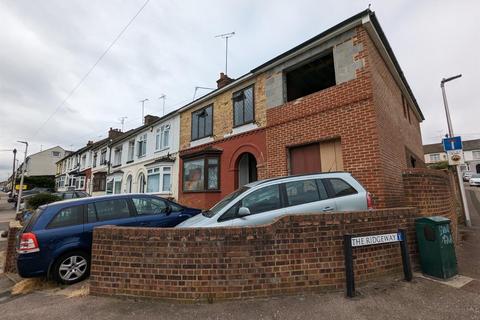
431 192
11 254
293 255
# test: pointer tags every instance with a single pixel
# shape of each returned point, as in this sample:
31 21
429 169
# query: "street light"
468 222
24 165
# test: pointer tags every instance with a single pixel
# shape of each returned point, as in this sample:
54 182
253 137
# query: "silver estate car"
261 202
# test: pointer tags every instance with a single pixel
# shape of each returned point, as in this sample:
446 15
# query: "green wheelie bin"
436 247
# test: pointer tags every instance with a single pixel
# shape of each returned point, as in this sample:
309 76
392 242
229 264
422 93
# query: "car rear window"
67 217
340 187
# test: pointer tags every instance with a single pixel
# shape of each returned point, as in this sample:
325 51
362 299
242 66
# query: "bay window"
201 174
159 179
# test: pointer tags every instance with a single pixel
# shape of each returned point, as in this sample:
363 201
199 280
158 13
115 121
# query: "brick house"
338 101
434 153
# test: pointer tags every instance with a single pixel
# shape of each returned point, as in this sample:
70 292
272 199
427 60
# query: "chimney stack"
89 143
224 80
113 133
150 119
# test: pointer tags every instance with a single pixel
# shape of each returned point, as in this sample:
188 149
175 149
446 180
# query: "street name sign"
376 239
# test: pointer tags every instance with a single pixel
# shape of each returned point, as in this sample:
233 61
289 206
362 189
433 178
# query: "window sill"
129 161
201 141
242 128
116 165
160 150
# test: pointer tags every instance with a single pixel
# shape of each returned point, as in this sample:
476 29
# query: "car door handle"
326 209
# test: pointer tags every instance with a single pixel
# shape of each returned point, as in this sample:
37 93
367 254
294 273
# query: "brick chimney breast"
224 80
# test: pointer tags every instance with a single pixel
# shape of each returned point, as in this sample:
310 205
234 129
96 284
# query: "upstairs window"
162 138
94 159
310 77
117 156
55 154
202 123
142 145
243 107
476 155
103 157
131 150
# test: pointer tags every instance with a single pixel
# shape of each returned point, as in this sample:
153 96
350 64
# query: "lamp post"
19 199
14 172
468 222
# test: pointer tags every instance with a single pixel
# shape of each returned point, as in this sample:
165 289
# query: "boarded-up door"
305 159
331 156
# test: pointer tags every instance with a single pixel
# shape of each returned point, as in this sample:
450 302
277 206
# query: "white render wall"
43 163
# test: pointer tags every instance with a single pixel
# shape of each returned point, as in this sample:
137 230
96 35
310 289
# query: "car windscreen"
222 203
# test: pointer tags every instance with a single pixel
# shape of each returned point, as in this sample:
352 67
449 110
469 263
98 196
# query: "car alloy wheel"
72 268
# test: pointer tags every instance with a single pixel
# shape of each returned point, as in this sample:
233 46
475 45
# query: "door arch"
246 169
141 183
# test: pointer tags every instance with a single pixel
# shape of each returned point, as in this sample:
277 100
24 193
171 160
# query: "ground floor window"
80 183
99 181
201 174
159 179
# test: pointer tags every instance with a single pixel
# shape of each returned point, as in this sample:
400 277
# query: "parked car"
467 175
475 180
56 242
262 201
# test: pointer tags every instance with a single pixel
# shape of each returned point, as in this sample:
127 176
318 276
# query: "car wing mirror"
243 211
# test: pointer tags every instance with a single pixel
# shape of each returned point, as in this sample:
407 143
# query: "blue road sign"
453 143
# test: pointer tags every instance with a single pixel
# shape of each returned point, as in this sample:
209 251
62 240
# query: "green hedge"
40 199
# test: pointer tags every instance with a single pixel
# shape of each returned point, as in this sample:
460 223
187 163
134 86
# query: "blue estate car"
57 240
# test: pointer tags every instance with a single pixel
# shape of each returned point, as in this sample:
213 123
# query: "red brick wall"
345 111
431 192
365 114
232 148
293 255
11 254
396 132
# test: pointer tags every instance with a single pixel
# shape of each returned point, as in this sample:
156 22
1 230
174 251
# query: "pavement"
388 298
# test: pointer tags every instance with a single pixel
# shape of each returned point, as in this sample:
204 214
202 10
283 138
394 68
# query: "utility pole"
468 222
24 165
226 36
14 173
143 109
164 97
122 121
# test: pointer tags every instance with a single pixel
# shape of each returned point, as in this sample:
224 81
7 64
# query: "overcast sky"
47 46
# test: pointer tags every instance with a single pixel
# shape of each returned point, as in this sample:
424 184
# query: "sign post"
350 242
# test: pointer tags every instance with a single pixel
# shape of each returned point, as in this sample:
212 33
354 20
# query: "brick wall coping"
345 218
421 172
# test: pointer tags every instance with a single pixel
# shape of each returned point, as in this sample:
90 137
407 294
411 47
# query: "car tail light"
28 243
369 200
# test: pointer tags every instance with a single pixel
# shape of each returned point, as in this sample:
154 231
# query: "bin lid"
433 220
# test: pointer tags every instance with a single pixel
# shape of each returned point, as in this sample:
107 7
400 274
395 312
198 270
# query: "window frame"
205 159
130 206
142 145
252 86
434 155
160 137
317 187
117 153
103 154
131 149
191 123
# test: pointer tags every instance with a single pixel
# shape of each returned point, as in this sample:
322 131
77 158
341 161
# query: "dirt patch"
29 285
83 291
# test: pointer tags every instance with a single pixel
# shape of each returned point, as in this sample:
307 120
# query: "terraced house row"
337 102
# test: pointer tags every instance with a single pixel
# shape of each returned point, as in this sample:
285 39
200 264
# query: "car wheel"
72 267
